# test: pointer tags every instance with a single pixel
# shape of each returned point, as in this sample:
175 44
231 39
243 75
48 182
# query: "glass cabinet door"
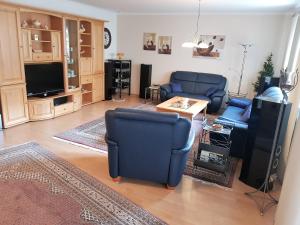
72 61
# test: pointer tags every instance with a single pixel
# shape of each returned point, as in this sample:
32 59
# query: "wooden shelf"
87 46
86 92
39 29
41 41
85 34
87 103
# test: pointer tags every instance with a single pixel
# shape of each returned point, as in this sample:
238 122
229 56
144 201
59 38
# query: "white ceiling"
190 6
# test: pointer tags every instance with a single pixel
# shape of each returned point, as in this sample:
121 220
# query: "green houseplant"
267 71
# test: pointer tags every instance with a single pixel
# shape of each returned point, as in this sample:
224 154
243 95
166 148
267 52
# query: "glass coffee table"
186 107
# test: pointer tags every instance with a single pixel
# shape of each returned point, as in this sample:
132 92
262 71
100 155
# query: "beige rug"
38 188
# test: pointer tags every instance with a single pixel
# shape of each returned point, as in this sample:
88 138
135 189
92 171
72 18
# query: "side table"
154 90
213 153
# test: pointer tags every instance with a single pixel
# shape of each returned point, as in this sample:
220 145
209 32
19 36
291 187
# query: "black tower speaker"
261 133
108 66
145 79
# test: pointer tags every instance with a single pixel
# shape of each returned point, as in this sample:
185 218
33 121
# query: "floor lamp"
239 94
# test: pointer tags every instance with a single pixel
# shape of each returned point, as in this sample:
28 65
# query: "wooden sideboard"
59 38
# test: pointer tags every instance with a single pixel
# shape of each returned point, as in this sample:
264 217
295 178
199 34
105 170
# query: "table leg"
204 113
146 90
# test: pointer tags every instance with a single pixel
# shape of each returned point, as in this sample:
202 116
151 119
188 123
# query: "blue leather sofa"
196 85
233 116
147 145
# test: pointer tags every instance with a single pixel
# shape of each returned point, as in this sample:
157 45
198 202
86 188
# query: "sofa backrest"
198 83
145 140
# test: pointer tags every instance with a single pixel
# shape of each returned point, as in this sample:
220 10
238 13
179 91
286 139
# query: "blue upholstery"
147 145
233 116
196 85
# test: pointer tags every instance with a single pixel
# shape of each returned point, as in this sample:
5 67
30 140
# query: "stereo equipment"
261 134
145 79
108 68
267 82
60 100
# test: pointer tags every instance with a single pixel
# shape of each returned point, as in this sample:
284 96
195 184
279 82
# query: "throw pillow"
240 102
211 91
246 114
176 87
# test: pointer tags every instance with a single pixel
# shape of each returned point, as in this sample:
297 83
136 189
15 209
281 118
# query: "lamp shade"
188 45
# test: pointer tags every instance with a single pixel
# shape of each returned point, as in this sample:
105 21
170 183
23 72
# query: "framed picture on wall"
216 44
165 45
149 41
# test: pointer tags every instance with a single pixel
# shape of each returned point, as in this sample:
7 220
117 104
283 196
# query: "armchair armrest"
219 93
187 147
178 161
166 88
113 153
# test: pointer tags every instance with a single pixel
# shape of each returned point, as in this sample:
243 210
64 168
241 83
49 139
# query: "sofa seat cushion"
234 114
188 95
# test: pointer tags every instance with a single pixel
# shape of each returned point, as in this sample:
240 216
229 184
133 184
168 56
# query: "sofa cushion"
246 114
240 102
211 91
273 93
233 114
176 87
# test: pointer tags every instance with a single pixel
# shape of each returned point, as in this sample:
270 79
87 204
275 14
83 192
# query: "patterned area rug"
37 187
91 135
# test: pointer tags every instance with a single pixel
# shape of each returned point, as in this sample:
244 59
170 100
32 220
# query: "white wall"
263 31
289 202
76 8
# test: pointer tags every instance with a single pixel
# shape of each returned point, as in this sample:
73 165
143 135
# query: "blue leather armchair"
147 145
196 85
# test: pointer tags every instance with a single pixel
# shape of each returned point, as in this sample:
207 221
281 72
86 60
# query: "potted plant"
267 71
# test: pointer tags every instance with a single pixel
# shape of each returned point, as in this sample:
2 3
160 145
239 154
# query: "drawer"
63 109
42 56
86 79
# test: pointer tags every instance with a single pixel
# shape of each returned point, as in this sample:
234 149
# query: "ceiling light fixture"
197 42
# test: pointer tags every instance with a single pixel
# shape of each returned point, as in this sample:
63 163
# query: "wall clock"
107 38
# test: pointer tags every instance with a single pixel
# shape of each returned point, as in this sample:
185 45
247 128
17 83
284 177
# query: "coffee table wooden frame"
191 112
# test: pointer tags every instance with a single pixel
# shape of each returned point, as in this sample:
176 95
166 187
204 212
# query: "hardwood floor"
192 202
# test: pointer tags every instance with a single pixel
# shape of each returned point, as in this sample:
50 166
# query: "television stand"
53 106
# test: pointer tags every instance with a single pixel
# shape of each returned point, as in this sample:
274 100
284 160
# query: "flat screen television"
44 79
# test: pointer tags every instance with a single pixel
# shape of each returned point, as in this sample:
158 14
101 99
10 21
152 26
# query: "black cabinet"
261 134
121 76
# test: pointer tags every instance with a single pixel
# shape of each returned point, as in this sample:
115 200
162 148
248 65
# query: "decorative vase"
82 29
24 24
36 23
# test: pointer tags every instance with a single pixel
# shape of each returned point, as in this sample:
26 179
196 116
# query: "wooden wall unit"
97 48
11 60
23 41
91 62
40 109
14 105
